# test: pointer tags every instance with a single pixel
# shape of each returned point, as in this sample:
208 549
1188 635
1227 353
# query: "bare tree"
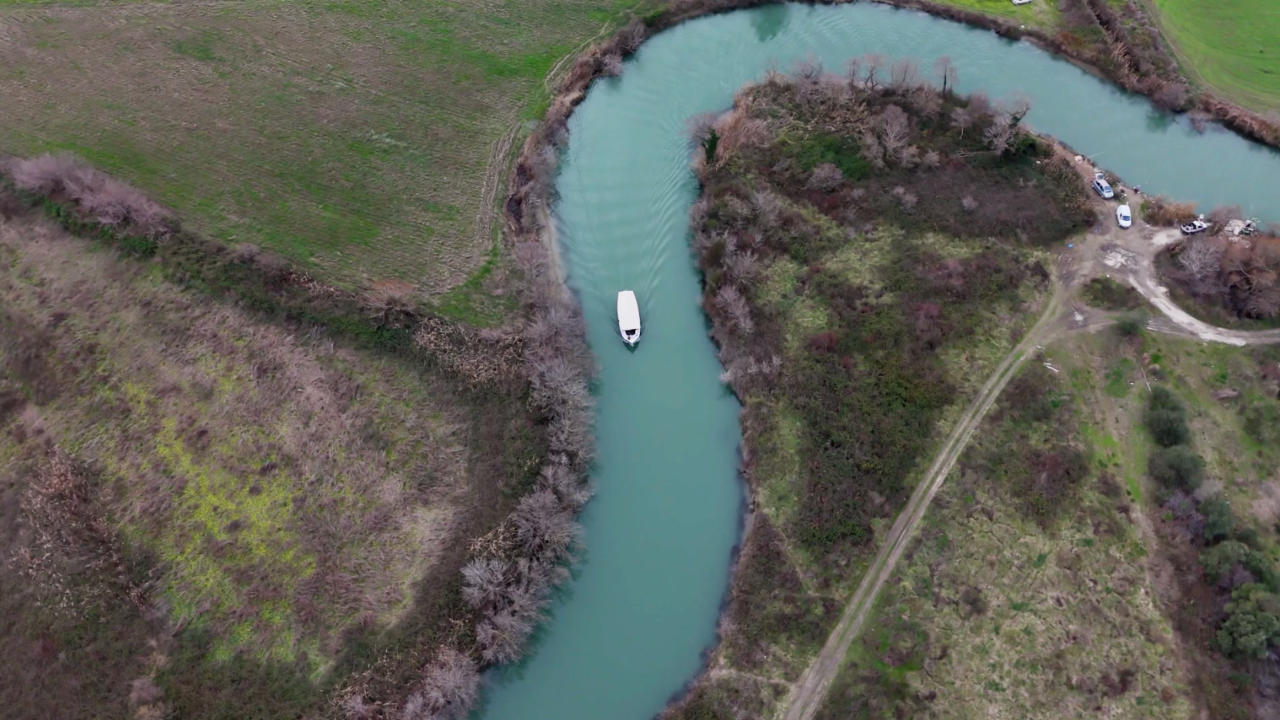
1018 109
852 69
946 71
544 528
968 203
871 63
825 177
734 305
1224 214
999 134
904 73
894 127
768 208
502 637
961 118
932 159
1201 258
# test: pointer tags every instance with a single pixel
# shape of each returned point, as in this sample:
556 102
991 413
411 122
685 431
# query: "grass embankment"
1209 524
1025 593
235 512
1231 45
363 141
862 281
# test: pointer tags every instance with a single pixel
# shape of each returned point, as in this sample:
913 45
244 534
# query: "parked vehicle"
629 317
1195 226
1123 216
1102 187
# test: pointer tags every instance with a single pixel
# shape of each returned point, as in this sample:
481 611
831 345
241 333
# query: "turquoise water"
632 626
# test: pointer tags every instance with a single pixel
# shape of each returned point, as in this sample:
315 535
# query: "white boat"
629 317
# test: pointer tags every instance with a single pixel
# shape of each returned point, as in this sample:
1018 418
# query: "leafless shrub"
931 159
502 637
568 487
1172 96
979 105
735 307
825 177
391 303
356 708
808 70
926 101
1224 214
631 36
968 203
106 200
449 688
908 201
872 150
737 131
1159 210
910 157
544 528
611 65
484 581
244 252
1018 109
742 265
768 208
699 126
144 691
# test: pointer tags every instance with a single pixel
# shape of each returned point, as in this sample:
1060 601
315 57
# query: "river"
632 625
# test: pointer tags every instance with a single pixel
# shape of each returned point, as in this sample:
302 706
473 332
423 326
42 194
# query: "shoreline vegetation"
538 371
852 268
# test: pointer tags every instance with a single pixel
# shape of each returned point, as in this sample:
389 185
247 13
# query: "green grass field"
1233 45
365 140
1042 14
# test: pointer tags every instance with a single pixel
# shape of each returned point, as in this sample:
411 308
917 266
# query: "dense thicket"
809 165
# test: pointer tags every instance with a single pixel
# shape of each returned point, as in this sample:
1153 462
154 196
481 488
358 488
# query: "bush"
1219 521
1105 293
1219 561
1168 428
1252 624
1177 467
1160 210
1132 323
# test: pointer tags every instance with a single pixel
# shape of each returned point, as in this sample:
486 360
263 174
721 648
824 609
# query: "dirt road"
1107 250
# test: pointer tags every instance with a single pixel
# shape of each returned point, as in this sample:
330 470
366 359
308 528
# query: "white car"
1123 216
1102 187
1195 226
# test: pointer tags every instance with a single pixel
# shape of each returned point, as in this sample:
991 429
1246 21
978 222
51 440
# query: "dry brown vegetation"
270 497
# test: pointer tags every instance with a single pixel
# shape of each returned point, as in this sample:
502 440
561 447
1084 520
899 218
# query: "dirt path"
1130 255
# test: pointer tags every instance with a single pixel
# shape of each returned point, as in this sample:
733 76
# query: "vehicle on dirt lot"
1195 226
1123 216
1102 187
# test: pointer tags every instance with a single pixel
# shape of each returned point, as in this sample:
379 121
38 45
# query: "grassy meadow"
1231 44
1026 592
365 140
227 515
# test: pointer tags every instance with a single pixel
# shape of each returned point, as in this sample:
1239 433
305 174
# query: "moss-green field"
366 140
1233 45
